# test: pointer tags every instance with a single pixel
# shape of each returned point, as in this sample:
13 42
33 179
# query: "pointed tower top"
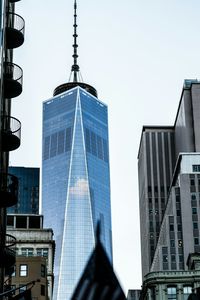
75 70
75 66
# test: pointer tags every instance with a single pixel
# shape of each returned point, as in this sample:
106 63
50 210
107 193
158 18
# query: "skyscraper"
28 190
168 187
75 176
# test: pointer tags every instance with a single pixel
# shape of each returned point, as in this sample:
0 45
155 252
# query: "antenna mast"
75 66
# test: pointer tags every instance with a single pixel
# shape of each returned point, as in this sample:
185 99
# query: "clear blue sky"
136 53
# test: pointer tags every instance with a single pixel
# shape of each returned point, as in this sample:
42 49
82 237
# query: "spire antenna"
75 66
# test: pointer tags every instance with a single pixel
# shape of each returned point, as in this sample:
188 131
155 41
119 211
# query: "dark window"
172 243
196 241
196 168
43 270
34 222
10 221
193 196
194 210
99 147
177 198
195 225
68 139
165 258
54 141
179 227
87 140
21 222
173 258
93 143
61 141
42 290
178 212
171 227
192 182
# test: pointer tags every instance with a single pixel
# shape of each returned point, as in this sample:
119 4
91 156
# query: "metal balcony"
14 30
13 76
8 252
8 190
11 133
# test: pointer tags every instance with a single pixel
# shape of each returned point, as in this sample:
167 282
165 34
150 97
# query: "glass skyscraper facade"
28 191
75 182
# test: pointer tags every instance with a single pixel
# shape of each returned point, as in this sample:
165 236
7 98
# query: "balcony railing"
11 133
8 190
14 30
13 77
8 253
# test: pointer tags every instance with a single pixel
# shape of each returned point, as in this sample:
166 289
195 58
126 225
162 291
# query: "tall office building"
162 169
75 176
28 190
155 168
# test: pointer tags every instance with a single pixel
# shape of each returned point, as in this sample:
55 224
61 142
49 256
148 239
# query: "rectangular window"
43 270
196 168
194 210
93 143
192 182
99 147
61 141
68 140
27 251
171 293
23 270
87 140
196 241
42 252
54 142
187 290
42 290
195 225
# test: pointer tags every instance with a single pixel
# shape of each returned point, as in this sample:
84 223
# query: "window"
42 252
192 182
180 243
165 258
172 243
43 270
179 227
171 227
196 241
27 251
193 196
42 290
196 168
187 290
195 225
23 270
171 293
194 210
